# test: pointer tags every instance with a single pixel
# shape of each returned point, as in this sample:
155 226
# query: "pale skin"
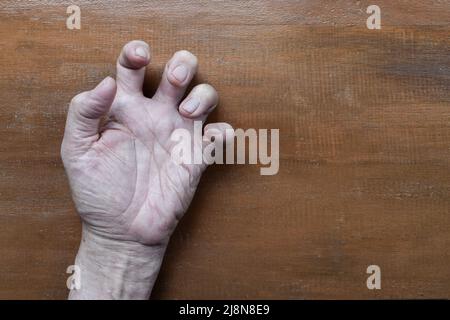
128 191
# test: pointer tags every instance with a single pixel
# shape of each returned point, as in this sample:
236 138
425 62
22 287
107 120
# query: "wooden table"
364 119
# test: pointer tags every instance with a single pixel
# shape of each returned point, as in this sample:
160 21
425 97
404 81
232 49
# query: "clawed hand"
117 148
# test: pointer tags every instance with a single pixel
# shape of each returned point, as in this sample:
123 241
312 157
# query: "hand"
116 150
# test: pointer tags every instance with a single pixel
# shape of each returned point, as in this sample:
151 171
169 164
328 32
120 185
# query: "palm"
140 190
126 185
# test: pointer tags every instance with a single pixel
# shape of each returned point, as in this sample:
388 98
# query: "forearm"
111 269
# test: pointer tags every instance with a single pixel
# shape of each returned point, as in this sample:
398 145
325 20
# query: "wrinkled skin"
117 148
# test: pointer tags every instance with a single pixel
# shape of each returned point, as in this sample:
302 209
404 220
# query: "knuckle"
86 105
207 91
205 87
187 55
137 42
79 99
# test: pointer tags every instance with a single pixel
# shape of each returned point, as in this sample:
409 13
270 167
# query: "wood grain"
364 119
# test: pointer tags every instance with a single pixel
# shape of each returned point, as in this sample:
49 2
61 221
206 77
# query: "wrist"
115 269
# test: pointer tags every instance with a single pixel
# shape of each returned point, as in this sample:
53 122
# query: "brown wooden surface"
364 120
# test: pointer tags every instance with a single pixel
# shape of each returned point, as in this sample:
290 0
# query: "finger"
84 115
200 102
216 139
177 75
131 64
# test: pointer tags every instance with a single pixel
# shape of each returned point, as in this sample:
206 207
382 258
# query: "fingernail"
141 52
180 72
191 105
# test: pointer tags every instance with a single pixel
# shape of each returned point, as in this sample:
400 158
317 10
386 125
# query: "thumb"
85 112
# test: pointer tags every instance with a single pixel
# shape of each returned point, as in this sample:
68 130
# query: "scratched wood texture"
364 119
